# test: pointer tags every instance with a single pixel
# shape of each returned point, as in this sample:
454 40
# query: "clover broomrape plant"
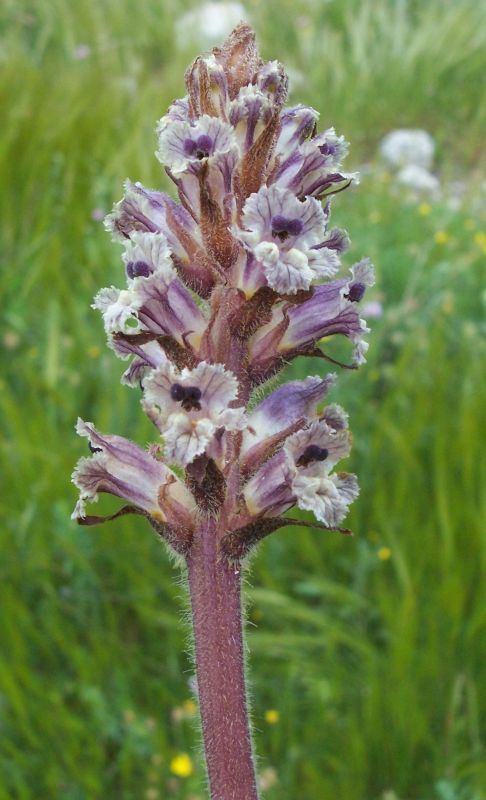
224 288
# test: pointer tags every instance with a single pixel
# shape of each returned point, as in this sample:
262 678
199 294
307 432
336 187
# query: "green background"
372 663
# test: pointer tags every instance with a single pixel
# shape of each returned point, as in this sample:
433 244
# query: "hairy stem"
216 611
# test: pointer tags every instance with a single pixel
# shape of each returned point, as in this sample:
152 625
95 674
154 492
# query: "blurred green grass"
373 663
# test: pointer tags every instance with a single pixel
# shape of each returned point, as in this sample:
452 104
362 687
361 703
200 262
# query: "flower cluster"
223 288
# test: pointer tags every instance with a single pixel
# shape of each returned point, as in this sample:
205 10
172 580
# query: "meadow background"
366 654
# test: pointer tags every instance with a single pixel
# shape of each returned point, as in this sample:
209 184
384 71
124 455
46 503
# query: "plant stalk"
215 589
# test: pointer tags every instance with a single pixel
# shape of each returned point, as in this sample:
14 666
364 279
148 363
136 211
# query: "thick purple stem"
216 611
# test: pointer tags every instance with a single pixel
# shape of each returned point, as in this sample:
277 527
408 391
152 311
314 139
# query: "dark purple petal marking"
187 396
204 145
312 453
189 147
177 392
356 292
200 148
328 149
137 269
337 240
282 227
95 449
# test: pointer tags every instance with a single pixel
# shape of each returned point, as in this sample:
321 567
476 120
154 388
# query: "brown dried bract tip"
239 58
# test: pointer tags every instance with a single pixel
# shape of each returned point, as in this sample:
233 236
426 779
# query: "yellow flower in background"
480 240
448 303
272 716
181 765
375 217
189 706
441 237
94 351
384 553
424 209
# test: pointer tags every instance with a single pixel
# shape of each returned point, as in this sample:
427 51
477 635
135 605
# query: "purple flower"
186 146
250 113
297 125
293 401
82 52
295 329
309 167
199 156
155 300
373 309
155 212
301 474
325 315
119 467
281 413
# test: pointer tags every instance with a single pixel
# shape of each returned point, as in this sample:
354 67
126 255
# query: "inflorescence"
224 288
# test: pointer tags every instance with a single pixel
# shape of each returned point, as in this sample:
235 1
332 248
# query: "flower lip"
312 453
282 227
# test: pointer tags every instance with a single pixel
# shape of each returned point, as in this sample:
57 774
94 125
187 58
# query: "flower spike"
226 281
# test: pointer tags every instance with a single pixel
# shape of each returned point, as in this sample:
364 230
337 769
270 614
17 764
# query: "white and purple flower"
293 329
121 468
285 237
191 406
301 474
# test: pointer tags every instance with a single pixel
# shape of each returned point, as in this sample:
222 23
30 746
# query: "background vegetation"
365 653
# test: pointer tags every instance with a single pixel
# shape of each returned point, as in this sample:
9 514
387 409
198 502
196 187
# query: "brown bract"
239 58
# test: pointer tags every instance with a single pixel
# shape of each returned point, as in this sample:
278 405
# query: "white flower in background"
408 146
418 180
208 23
